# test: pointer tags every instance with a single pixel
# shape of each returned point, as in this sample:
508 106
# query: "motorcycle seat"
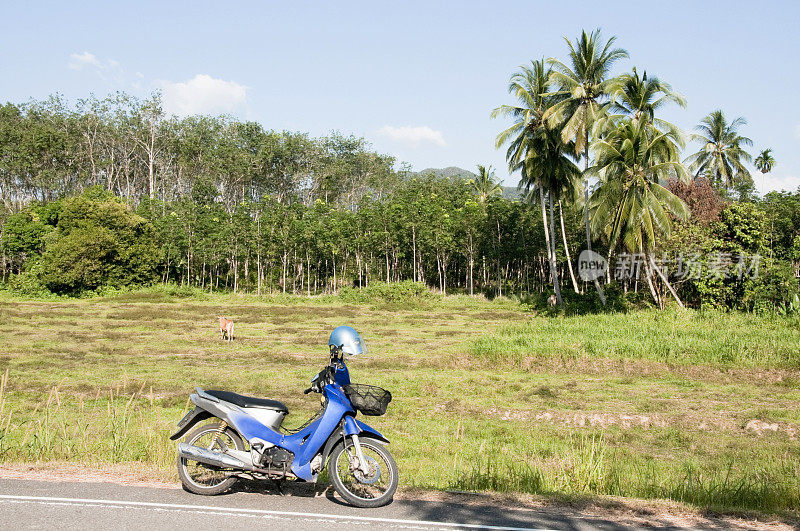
248 401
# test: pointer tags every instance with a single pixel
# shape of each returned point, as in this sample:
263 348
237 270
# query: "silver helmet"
348 341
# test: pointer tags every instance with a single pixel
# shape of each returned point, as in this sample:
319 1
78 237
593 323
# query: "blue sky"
417 79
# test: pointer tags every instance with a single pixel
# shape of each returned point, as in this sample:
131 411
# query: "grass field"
699 408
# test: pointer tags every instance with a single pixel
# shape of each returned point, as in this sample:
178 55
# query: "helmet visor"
356 345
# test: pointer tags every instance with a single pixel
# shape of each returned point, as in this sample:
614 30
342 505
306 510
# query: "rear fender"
189 421
206 406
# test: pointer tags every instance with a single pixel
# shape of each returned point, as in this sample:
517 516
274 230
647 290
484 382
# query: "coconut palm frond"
630 204
765 161
722 154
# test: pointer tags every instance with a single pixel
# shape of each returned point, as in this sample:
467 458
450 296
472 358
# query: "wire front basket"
368 399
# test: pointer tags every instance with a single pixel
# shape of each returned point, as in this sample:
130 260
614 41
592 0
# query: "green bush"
23 237
396 292
774 289
98 242
738 234
587 303
28 284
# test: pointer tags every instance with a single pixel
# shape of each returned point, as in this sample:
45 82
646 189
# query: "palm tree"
584 88
529 139
722 156
764 161
484 186
630 206
549 169
640 97
530 86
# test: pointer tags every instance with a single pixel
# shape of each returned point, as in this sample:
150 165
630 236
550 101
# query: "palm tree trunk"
544 225
648 274
666 282
566 248
588 232
553 269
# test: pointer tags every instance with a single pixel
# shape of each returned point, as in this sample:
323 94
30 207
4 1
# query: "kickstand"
278 486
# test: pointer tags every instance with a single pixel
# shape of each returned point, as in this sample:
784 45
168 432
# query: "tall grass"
111 428
586 465
578 468
680 337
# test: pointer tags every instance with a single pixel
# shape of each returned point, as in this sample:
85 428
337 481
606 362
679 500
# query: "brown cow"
226 329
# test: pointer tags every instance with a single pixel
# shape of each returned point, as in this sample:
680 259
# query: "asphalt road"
26 504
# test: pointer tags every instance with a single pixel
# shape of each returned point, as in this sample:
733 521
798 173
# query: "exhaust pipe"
210 457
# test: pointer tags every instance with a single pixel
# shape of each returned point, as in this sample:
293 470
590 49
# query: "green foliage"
722 156
406 293
737 241
97 242
583 84
132 148
782 211
23 237
775 289
630 207
744 189
28 284
741 228
641 96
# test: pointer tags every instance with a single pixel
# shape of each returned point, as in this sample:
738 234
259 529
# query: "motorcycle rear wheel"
202 479
376 488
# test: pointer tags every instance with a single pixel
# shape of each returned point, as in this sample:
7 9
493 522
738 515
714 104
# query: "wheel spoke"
201 474
368 485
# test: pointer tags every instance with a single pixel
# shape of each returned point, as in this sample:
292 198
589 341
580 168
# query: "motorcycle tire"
189 471
356 488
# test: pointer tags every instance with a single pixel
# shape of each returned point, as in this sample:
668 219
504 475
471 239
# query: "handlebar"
323 378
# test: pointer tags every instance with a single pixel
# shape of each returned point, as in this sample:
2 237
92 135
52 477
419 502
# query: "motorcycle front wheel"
202 479
374 488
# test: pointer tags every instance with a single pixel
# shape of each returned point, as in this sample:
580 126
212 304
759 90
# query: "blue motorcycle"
246 439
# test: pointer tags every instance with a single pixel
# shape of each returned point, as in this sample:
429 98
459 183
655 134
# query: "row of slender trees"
131 148
451 234
447 233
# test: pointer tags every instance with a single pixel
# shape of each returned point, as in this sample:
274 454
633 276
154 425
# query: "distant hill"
509 192
450 171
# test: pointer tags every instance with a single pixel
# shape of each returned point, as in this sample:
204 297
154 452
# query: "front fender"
362 430
369 431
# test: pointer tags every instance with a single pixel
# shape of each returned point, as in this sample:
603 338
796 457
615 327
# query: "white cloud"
202 94
412 136
77 61
108 70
